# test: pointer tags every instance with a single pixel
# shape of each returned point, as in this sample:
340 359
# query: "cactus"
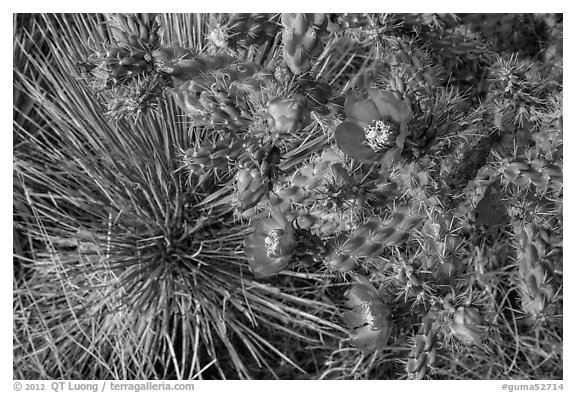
441 242
416 183
409 71
136 38
216 96
301 39
370 239
236 31
123 72
125 64
210 156
539 172
536 275
135 30
410 279
518 92
422 355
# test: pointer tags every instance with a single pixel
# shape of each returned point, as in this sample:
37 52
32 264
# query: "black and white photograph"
287 196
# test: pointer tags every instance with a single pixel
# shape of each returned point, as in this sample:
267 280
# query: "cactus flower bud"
288 115
468 325
250 188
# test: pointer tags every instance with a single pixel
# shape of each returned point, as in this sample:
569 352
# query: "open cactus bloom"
373 125
368 317
271 246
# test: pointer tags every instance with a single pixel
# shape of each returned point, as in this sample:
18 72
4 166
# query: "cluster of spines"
518 92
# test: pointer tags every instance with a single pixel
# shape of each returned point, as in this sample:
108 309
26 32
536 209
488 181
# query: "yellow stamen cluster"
273 244
380 135
370 317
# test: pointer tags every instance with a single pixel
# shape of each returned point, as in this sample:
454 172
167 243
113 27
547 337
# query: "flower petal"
260 263
267 267
356 317
349 138
370 340
390 106
361 112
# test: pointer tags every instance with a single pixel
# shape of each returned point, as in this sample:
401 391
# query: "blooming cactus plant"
373 125
213 137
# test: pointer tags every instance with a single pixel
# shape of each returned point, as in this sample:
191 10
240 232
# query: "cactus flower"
468 325
271 246
368 317
372 125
